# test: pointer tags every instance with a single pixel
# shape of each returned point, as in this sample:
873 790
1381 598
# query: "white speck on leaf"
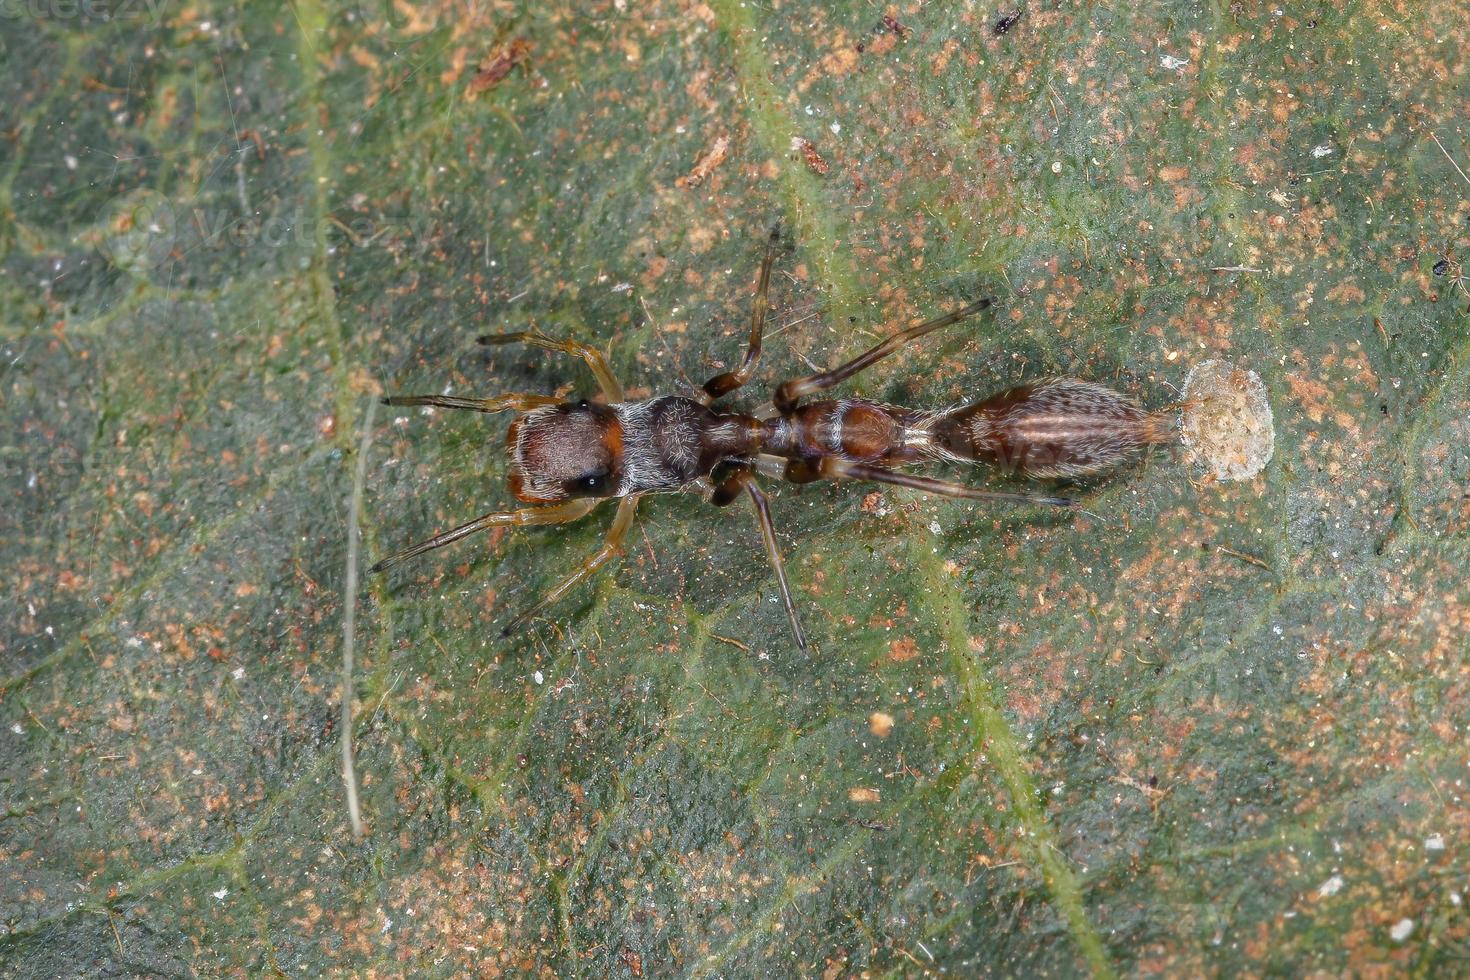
1331 886
1172 63
1318 152
539 677
1401 930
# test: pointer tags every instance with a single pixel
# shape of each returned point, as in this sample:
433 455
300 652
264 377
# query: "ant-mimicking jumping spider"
568 457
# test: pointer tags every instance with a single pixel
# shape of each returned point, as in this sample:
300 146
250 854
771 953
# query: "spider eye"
590 485
584 404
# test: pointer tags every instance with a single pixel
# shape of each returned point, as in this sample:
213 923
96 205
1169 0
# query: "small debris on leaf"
814 160
1006 22
498 64
706 164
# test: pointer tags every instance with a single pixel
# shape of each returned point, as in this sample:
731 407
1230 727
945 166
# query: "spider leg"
594 358
836 468
611 545
789 393
723 384
554 514
725 493
510 402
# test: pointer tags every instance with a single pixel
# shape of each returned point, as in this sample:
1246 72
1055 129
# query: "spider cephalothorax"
562 452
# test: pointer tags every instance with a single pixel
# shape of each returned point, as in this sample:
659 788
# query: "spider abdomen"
1061 427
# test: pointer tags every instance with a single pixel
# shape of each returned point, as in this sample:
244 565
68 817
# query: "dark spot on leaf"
892 23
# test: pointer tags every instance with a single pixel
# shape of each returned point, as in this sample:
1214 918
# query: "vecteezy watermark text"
146 230
80 9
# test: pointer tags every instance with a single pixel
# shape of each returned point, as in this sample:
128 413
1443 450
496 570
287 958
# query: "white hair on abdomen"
639 461
646 466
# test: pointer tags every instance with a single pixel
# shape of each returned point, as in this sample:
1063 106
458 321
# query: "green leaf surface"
1198 727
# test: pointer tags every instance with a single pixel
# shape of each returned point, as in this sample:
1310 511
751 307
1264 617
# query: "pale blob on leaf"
1227 423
